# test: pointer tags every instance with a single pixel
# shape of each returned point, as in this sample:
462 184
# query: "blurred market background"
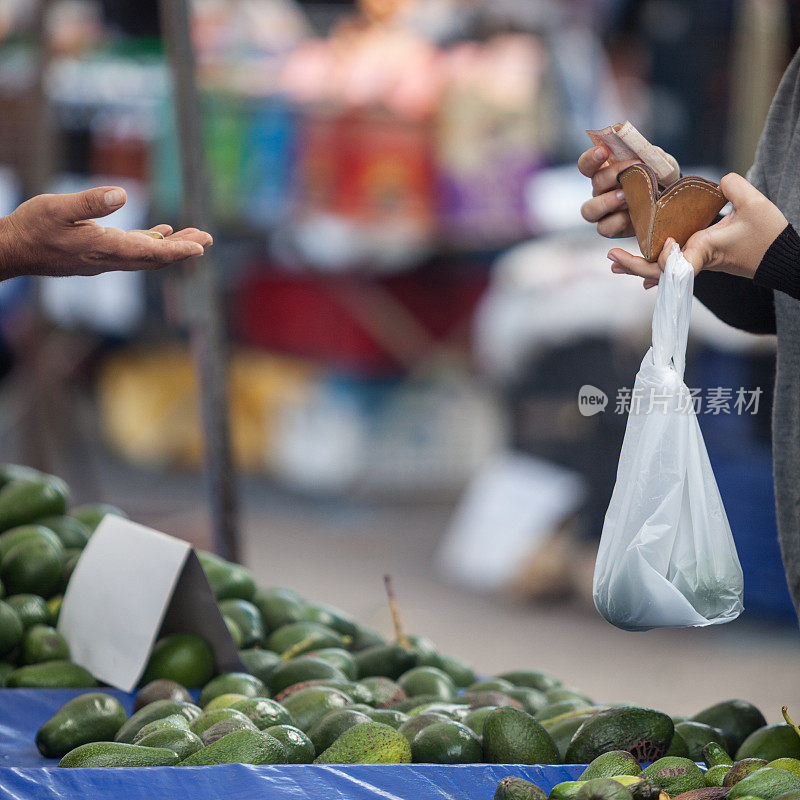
413 303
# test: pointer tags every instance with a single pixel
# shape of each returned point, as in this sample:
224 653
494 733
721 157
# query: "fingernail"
599 154
114 198
620 194
617 269
612 259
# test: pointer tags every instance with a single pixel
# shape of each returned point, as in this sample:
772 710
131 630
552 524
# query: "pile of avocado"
318 687
617 775
41 539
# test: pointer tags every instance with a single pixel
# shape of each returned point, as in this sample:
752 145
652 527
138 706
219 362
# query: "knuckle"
610 227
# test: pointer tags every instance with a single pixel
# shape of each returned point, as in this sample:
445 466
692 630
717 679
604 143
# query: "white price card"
131 585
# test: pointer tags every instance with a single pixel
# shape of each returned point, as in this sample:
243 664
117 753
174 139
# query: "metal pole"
199 284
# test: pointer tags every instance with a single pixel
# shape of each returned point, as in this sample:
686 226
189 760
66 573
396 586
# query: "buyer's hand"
607 207
54 234
736 244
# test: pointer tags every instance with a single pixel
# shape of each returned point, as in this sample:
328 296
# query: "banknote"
624 142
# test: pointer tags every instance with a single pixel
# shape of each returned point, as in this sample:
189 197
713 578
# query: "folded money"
624 142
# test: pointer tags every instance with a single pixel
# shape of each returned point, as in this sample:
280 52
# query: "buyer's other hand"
736 244
55 234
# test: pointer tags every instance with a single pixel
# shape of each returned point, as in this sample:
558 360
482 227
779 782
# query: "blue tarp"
25 775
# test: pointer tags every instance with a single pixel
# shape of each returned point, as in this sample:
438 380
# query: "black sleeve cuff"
780 267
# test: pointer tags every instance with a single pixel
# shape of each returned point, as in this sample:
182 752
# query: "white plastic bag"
667 557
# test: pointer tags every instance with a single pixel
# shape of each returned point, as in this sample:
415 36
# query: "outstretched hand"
55 234
736 244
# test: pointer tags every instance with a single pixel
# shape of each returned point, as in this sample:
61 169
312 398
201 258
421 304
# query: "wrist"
780 266
11 262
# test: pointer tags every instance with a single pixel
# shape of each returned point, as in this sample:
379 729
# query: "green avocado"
211 717
299 749
22 501
92 717
232 683
413 725
185 658
279 607
247 618
331 617
92 514
299 670
259 662
697 735
388 716
227 580
460 672
32 566
674 775
159 709
368 743
51 675
427 681
263 712
303 637
72 532
714 755
225 726
741 769
385 692
767 783
603 789
309 705
182 742
512 788
446 742
715 776
533 679
737 718
641 731
385 660
239 747
42 643
171 722
566 790
325 731
511 736
770 742
610 764
339 658
10 628
118 754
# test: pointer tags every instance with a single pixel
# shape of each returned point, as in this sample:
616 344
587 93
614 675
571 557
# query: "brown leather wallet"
687 206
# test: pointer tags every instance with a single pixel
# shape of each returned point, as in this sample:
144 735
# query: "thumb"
699 250
738 189
92 203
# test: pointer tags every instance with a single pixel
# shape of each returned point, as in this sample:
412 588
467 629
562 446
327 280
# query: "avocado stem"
785 712
402 639
298 648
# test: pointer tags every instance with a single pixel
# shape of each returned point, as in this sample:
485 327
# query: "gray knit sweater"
769 304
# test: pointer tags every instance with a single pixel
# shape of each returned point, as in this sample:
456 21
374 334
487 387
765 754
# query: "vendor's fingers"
591 160
598 207
606 179
164 230
624 263
116 249
193 235
616 225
